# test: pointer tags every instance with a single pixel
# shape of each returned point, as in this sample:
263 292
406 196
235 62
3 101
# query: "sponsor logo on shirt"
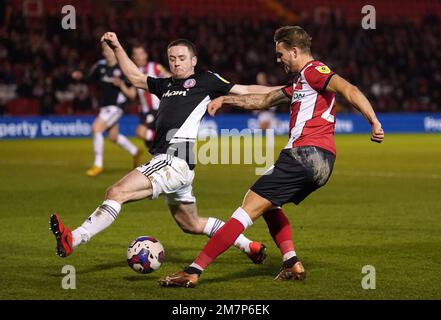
323 69
297 96
170 93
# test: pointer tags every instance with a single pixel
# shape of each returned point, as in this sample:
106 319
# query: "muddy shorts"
297 173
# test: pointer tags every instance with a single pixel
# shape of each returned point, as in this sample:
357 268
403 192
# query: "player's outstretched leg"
252 208
219 243
186 216
280 229
255 250
134 186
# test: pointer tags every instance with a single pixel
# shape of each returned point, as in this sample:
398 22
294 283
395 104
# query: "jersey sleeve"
288 90
218 85
155 86
318 76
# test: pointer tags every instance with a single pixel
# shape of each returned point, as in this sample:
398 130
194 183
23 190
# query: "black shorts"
148 119
296 174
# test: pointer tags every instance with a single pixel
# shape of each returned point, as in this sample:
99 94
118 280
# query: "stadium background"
389 217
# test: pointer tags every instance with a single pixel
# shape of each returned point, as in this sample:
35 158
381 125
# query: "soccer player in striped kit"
148 102
304 165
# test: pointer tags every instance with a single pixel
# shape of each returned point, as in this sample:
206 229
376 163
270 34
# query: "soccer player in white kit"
184 100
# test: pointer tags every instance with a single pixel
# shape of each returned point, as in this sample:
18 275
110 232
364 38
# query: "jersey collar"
306 64
182 80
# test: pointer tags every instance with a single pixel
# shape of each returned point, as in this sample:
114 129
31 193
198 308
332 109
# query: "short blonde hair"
294 36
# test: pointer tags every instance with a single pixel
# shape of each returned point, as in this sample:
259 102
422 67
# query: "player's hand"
215 105
111 40
377 133
116 81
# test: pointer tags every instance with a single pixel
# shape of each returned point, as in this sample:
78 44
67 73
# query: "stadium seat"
23 106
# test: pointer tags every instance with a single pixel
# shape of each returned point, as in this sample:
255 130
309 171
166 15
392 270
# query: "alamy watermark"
368 282
69 21
369 20
69 281
232 146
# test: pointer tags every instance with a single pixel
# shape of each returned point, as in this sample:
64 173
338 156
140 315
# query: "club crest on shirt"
117 73
323 69
190 83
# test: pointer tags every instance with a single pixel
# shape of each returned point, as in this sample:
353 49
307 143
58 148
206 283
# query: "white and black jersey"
183 103
109 95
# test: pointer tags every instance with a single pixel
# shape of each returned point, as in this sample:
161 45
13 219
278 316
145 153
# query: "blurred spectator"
398 65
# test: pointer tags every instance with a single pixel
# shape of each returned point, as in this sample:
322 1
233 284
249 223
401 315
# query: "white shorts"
171 176
110 115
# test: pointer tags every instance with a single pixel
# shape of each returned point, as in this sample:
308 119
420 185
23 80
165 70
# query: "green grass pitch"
381 207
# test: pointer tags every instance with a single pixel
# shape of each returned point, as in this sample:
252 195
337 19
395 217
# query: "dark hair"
138 45
183 42
294 36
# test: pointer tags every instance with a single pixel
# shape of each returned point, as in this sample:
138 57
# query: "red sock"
220 242
280 229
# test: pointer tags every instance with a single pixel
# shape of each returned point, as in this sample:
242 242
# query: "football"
145 254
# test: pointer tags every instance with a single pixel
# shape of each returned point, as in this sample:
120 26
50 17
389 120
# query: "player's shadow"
179 255
139 277
104 266
268 270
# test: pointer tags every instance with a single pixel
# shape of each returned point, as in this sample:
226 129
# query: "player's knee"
140 132
96 128
191 227
113 138
115 192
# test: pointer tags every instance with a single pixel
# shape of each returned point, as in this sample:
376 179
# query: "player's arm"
250 101
129 92
128 67
360 102
240 89
92 75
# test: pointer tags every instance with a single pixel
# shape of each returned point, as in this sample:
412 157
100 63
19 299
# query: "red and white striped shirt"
312 118
148 101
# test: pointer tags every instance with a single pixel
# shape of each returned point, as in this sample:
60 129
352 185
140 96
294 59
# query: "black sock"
193 270
290 262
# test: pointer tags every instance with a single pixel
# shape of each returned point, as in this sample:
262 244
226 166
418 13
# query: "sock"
100 219
214 224
280 230
125 143
290 262
224 238
149 135
98 149
193 269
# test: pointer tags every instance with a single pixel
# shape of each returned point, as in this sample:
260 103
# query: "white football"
145 254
